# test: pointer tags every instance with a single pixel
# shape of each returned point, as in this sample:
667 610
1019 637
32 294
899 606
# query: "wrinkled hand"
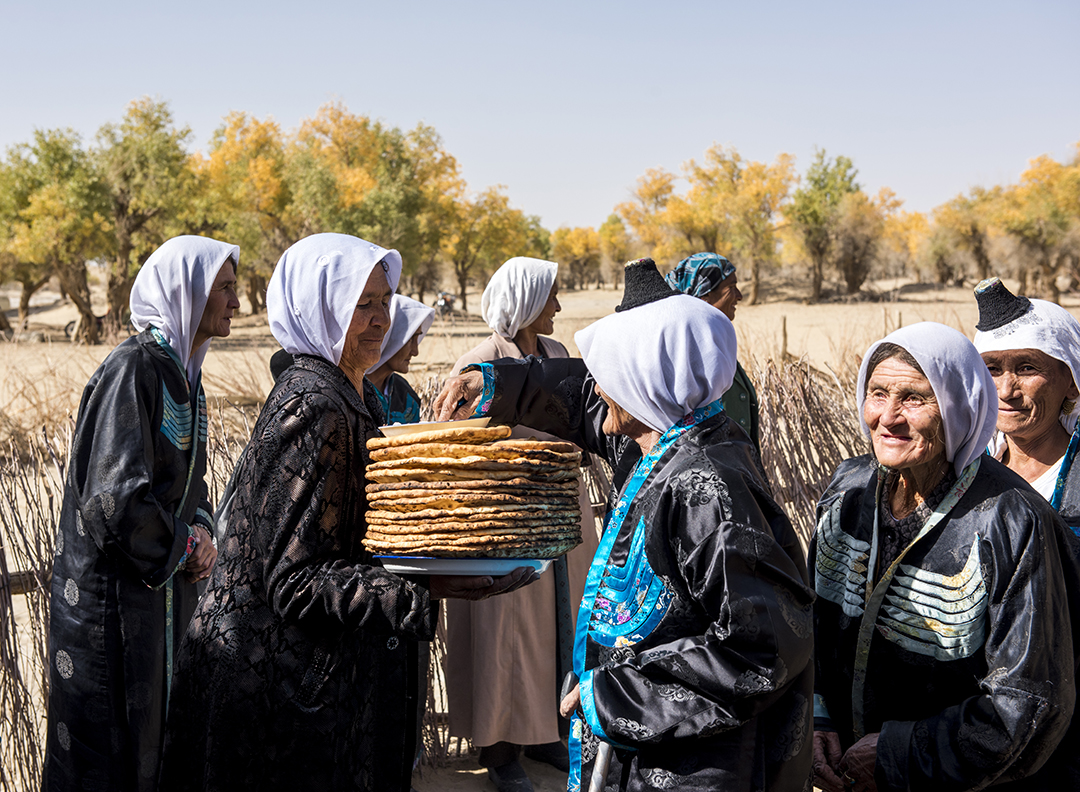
459 397
479 587
857 766
571 702
202 558
827 755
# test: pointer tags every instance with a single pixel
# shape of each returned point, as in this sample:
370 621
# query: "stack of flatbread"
470 492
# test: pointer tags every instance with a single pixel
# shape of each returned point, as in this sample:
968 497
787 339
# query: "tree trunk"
817 268
462 280
118 296
73 276
755 282
28 291
256 293
978 251
5 325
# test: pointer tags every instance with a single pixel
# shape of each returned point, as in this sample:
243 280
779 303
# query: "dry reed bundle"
809 426
30 499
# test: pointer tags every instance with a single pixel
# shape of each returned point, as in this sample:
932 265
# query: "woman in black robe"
134 532
694 642
298 669
945 623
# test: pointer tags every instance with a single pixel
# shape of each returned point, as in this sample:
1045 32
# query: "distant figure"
712 278
135 526
409 322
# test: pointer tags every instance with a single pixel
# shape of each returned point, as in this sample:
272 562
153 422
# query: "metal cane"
600 768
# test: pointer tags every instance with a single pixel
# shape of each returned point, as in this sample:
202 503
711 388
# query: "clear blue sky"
568 103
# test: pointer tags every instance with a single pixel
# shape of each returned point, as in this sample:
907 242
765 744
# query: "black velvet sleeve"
558 396
125 492
302 480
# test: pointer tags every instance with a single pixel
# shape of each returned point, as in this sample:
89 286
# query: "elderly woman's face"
544 324
903 415
1031 387
618 421
370 321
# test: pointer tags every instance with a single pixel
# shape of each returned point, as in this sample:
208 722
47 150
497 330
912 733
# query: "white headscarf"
171 290
407 316
315 287
662 360
961 382
517 293
1048 328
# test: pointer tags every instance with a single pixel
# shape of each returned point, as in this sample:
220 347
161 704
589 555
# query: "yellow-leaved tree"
1041 213
579 249
248 197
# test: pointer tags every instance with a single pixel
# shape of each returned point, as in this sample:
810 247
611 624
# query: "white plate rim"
418 565
399 430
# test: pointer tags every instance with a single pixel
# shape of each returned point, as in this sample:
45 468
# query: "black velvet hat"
997 305
643 284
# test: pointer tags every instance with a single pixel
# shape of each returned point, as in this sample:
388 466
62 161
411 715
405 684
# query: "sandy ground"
42 380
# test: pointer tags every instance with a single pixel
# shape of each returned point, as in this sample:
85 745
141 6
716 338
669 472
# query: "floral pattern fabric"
131 498
299 668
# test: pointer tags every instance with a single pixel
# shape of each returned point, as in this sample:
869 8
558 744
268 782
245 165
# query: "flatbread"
452 474
451 435
468 528
552 550
473 463
463 523
471 513
408 501
512 485
476 537
421 451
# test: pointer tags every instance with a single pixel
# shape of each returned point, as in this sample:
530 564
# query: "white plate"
406 565
396 430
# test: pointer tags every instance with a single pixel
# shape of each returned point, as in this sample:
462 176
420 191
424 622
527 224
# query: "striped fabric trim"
940 616
841 564
176 421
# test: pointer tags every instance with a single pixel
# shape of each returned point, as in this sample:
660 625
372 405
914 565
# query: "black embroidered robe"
298 670
695 643
133 490
970 672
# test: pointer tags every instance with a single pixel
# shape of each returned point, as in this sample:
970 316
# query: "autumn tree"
58 222
1042 214
248 197
904 236
441 185
483 232
860 226
579 249
814 211
352 175
615 246
645 213
964 224
731 207
749 195
144 164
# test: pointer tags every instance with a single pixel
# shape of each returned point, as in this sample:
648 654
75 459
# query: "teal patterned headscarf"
700 274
